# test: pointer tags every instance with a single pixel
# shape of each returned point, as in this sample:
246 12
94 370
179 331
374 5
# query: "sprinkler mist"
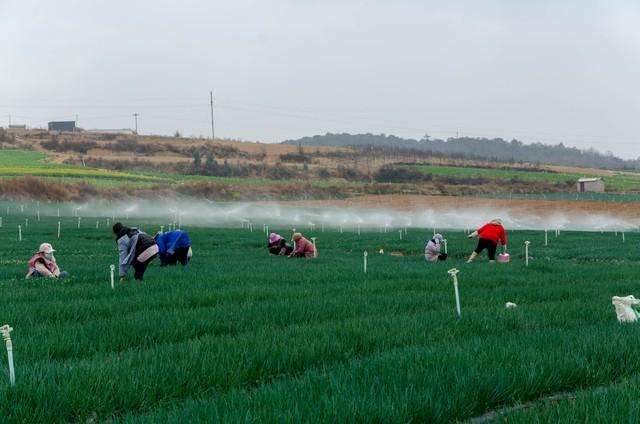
6 330
454 275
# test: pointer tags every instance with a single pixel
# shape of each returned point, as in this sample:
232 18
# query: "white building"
590 185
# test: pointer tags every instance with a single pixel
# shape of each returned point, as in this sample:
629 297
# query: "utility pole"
135 116
213 134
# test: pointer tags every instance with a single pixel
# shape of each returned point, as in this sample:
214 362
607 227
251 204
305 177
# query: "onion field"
241 336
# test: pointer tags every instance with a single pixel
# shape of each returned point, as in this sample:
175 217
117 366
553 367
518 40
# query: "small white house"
590 185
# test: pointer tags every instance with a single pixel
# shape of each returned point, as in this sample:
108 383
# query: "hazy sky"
545 71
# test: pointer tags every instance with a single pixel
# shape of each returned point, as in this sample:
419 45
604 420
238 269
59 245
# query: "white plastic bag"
510 305
624 309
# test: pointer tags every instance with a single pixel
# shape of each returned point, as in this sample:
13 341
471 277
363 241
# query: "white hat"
46 248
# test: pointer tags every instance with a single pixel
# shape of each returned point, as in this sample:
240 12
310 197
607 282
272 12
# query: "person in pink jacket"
304 248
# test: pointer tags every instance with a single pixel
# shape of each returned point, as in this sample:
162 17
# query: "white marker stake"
6 330
622 232
400 232
358 229
0 222
97 224
26 222
434 232
161 229
19 232
266 229
526 252
107 222
38 216
58 212
445 246
341 229
546 238
112 269
315 251
365 261
79 222
58 229
454 274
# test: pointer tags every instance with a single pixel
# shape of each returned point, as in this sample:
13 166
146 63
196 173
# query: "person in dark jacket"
278 245
174 246
136 249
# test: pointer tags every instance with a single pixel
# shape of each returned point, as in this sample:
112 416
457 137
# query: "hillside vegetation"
469 147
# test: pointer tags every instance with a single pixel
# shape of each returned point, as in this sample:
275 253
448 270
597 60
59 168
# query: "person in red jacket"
489 235
304 248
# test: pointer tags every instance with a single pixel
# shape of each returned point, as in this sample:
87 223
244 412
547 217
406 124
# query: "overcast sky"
537 71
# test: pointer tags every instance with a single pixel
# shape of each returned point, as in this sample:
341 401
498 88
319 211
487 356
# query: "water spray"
6 330
454 275
526 252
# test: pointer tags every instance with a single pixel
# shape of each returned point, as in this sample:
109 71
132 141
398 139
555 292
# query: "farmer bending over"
432 249
43 264
488 237
136 249
278 245
304 248
174 246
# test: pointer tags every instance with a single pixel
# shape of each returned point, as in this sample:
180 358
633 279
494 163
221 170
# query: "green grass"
242 336
620 181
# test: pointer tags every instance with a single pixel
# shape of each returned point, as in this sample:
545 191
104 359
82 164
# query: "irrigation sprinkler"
315 251
400 232
112 269
19 232
546 238
6 330
58 229
526 252
454 275
365 254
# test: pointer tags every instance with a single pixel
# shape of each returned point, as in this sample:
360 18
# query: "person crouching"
174 246
432 249
43 264
304 248
277 245
136 249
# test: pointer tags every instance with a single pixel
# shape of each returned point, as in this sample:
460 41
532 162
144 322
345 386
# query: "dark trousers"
139 268
181 255
490 245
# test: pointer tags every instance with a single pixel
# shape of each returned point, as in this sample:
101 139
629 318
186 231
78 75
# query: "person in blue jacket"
174 246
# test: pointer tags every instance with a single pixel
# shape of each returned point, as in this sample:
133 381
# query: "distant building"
62 126
590 185
18 127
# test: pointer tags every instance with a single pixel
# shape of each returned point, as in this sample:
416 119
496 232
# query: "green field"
239 336
620 181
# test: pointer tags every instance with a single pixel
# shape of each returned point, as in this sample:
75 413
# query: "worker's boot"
472 257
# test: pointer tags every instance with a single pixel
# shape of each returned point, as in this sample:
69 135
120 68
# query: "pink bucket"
503 258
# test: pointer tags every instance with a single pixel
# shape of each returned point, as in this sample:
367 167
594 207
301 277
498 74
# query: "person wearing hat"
489 235
304 248
136 249
278 246
432 249
43 264
174 246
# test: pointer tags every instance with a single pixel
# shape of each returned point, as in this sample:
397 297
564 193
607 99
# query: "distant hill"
496 148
